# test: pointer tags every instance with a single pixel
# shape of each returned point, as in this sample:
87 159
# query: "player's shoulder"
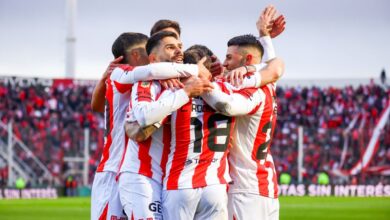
120 71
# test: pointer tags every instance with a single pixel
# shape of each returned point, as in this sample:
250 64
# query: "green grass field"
300 208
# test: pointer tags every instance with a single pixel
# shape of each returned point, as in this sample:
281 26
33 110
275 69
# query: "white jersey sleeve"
150 105
152 71
269 50
236 103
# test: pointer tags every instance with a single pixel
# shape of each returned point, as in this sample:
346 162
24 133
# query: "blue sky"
323 39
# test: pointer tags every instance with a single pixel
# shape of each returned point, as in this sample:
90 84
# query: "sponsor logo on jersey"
145 84
199 161
114 217
155 207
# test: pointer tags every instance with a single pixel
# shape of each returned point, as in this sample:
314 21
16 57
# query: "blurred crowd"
51 121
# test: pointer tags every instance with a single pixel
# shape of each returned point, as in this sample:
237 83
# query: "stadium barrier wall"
335 190
41 193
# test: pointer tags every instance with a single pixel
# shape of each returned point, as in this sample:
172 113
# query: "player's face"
233 58
170 50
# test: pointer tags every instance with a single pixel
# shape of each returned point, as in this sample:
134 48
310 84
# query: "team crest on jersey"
145 84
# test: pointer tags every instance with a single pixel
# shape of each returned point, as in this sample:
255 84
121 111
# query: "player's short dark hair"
164 23
195 53
154 40
247 40
126 40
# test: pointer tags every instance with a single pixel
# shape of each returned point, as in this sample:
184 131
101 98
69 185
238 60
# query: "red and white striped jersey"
149 104
118 88
199 146
251 165
117 99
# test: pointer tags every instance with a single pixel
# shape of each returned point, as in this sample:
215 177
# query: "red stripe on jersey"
222 166
122 88
274 117
144 157
103 216
274 180
126 67
182 141
166 147
107 145
261 137
124 152
223 87
205 158
247 93
143 92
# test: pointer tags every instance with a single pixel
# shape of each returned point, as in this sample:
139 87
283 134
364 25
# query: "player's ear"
152 57
248 59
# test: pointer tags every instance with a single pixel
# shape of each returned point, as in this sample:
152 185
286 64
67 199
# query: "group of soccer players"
187 137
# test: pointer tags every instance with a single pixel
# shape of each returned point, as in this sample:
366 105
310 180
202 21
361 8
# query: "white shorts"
209 202
140 196
105 203
243 206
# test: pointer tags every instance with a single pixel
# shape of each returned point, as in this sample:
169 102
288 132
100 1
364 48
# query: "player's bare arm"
98 95
137 133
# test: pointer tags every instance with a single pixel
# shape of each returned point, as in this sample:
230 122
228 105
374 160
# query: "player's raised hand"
267 25
195 86
216 66
113 64
204 73
278 26
171 84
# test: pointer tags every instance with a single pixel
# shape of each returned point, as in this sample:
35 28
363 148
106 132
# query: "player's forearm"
135 132
98 96
230 105
148 113
269 50
264 73
157 71
272 72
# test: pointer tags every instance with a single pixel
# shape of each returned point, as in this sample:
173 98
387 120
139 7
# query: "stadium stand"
49 116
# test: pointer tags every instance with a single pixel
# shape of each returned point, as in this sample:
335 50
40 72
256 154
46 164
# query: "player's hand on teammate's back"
171 84
195 86
113 64
204 73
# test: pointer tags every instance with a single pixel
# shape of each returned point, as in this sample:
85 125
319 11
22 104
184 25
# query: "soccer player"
141 172
105 198
253 192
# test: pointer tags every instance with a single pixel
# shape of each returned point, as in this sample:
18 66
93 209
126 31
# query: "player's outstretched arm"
237 103
271 72
150 112
263 74
98 95
158 71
